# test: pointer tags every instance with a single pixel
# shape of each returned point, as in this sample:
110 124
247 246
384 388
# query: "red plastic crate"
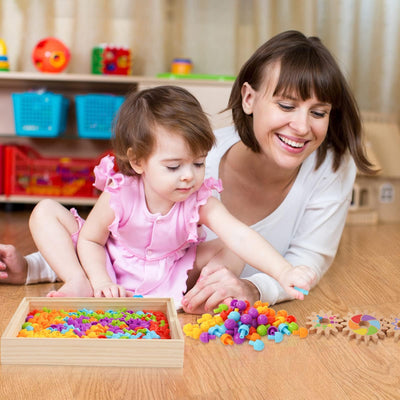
26 172
1 169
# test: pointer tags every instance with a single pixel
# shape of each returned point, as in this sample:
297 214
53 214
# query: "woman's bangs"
305 77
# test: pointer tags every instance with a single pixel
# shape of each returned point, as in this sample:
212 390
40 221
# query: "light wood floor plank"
365 277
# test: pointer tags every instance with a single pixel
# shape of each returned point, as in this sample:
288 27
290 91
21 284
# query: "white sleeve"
38 270
317 238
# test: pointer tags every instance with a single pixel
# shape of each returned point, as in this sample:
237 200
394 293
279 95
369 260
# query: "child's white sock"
38 269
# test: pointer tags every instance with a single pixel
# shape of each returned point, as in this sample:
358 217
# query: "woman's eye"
285 107
319 114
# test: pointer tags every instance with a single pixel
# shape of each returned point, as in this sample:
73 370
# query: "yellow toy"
4 65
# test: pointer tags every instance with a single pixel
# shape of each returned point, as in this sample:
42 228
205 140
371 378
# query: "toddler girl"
141 235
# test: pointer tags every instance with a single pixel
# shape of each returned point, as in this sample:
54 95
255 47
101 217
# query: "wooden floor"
365 277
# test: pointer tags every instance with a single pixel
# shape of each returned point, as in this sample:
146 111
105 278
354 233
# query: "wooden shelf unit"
212 94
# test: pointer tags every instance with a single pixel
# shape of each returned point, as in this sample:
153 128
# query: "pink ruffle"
196 233
106 179
105 174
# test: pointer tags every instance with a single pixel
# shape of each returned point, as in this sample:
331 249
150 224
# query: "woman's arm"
254 249
316 238
218 283
313 241
315 244
91 250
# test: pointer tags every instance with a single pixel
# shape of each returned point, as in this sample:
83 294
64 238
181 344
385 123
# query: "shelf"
83 201
14 137
212 94
29 78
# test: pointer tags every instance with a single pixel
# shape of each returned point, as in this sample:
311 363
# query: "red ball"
50 55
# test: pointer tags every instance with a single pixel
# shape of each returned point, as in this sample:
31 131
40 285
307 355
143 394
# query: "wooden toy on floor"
324 322
392 327
363 327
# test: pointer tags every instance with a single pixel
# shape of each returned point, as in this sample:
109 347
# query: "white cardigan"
307 226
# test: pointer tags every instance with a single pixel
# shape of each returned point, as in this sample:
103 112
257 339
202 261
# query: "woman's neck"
257 167
253 186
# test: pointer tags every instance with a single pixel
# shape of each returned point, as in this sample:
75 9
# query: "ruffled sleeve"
196 234
207 188
105 174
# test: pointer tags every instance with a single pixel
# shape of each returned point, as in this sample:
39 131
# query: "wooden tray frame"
94 352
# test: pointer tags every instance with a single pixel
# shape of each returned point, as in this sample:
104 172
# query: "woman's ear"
135 164
248 96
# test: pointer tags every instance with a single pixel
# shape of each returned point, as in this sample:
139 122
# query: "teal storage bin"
95 114
40 114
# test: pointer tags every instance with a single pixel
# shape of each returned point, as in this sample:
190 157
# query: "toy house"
377 198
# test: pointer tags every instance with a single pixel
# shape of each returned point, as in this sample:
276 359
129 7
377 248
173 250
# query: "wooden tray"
94 352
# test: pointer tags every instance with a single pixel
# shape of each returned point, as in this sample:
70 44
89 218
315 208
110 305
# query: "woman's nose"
300 123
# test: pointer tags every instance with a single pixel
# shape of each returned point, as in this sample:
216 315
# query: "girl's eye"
173 168
199 164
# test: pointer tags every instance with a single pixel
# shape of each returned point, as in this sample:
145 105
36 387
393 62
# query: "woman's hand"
13 266
217 285
110 289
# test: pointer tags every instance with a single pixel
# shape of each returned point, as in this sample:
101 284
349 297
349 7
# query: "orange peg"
302 332
226 339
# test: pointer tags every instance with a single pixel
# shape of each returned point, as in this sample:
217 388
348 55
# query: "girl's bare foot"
74 288
13 266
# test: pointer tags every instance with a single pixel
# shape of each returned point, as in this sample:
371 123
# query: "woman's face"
288 129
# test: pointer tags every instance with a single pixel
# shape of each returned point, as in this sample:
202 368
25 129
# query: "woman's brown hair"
308 69
171 107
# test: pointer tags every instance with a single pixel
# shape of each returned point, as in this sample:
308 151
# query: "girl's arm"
91 250
253 248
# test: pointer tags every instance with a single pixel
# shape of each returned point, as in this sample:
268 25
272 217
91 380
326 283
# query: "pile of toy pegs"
239 322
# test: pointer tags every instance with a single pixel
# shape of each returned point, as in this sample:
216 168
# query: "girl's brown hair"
308 69
171 107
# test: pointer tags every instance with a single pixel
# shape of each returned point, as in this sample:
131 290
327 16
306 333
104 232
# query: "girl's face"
171 173
288 129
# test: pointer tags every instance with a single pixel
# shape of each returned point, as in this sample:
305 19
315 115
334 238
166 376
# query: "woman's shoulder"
347 165
325 177
226 136
225 139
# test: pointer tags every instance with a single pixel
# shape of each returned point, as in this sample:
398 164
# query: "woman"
287 165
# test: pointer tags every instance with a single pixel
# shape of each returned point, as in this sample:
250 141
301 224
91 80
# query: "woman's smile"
291 144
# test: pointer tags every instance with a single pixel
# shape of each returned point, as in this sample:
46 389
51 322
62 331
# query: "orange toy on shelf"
50 55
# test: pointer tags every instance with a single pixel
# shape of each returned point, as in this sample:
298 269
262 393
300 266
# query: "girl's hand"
300 276
217 285
110 289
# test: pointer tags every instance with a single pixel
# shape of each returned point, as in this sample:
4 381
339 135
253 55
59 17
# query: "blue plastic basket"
40 114
95 114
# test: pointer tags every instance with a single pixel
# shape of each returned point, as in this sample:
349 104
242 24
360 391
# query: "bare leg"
13 266
51 226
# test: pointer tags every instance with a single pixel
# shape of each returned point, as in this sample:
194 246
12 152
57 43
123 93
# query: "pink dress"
150 254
